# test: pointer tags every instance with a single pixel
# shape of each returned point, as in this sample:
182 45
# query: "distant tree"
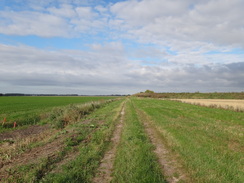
149 91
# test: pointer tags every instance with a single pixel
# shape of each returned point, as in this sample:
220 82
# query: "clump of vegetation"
62 116
149 91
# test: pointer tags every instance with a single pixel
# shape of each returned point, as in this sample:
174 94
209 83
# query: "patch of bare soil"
104 174
22 133
32 156
171 168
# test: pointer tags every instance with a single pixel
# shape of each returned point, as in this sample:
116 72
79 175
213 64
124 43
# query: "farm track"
171 168
104 174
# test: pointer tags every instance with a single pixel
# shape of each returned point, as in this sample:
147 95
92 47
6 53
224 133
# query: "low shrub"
62 116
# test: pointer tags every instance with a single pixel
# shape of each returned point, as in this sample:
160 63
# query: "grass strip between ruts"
135 161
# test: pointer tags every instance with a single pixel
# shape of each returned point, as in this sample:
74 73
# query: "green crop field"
130 139
27 110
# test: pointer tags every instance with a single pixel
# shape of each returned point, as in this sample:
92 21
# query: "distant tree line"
22 94
195 95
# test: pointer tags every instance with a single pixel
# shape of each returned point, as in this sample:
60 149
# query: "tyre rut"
105 169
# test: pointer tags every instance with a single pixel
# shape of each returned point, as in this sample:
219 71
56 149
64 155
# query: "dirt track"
104 174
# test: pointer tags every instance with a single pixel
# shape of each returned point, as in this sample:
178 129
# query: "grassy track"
28 110
209 141
135 161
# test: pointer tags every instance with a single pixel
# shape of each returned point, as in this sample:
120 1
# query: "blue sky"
108 47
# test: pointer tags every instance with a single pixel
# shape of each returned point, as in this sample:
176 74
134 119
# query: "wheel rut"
104 174
171 168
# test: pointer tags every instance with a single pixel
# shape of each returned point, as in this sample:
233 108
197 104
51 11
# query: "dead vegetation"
17 142
236 105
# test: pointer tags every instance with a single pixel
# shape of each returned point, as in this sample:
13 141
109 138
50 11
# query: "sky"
121 46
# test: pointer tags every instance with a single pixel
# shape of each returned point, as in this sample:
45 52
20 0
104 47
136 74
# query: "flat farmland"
127 139
28 110
237 105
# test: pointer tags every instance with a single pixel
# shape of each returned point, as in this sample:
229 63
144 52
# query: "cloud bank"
163 45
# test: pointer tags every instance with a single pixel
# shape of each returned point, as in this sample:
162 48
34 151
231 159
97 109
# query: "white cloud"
162 45
155 21
161 21
32 23
97 69
65 10
66 20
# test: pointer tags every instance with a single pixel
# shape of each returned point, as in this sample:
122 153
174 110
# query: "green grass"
210 142
30 110
135 161
83 167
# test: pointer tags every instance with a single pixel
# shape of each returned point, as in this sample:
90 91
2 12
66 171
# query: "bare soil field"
237 105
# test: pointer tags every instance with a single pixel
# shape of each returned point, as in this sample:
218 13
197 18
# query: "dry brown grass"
11 148
236 105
